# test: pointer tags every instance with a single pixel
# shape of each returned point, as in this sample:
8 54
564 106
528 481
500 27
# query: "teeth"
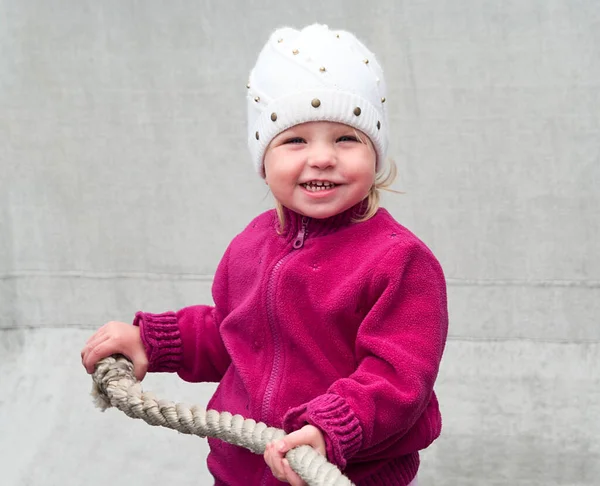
315 186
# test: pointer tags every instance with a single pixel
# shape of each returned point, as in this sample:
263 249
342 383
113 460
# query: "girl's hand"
276 450
113 338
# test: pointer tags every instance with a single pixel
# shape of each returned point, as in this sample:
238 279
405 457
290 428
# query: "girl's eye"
347 138
295 140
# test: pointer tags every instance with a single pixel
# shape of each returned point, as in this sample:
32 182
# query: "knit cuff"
162 340
333 416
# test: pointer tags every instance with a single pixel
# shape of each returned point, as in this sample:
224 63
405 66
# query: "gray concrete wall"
124 174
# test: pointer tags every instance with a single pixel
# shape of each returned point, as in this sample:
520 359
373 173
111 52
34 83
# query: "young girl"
330 318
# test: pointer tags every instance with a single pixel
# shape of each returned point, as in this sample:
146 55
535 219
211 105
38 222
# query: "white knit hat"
311 75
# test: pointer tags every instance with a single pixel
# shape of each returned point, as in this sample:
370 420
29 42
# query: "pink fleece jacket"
332 323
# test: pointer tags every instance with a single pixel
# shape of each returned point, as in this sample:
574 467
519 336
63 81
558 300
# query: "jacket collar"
296 223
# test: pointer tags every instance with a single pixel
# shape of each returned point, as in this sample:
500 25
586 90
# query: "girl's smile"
319 189
315 186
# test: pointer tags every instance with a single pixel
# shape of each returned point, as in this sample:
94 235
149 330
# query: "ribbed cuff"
333 416
162 340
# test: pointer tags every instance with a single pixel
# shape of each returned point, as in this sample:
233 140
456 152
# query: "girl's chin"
318 212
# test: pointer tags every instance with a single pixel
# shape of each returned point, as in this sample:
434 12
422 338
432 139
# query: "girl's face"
320 169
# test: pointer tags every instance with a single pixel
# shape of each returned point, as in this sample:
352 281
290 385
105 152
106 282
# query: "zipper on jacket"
298 244
301 236
266 406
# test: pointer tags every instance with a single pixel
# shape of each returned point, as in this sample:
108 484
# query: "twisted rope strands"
114 385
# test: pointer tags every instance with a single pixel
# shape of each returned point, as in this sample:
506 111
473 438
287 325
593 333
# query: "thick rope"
116 386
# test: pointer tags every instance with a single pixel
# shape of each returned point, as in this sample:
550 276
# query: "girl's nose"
322 157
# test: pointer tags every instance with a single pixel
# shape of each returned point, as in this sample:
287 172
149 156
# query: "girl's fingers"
276 451
274 461
94 354
95 340
91 345
307 435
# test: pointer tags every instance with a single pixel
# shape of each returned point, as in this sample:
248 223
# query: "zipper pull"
299 241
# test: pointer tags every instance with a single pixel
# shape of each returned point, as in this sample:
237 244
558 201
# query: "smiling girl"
329 317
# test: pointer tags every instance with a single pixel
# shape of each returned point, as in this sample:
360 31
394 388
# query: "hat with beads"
315 74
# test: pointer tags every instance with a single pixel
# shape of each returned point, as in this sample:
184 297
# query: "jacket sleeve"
188 341
398 350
